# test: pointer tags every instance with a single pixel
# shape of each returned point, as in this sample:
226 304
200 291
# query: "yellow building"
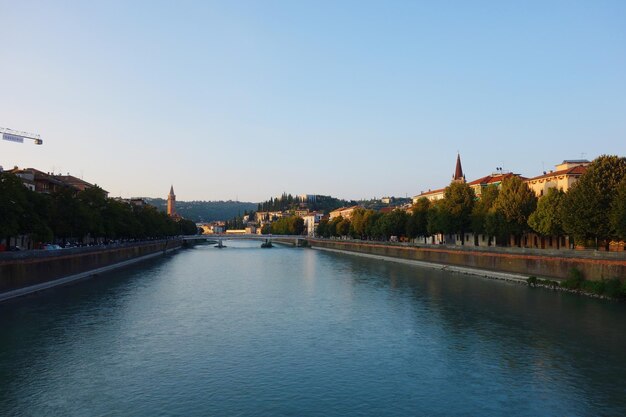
430 195
345 212
563 177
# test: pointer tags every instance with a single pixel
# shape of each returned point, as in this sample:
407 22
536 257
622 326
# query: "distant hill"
205 211
286 201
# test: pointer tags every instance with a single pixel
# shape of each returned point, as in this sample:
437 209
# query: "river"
245 331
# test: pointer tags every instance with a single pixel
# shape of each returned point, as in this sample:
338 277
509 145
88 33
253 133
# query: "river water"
245 331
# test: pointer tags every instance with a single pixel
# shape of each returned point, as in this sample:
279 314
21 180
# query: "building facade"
311 221
563 177
345 212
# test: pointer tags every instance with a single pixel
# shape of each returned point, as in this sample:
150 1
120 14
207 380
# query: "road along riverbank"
27 272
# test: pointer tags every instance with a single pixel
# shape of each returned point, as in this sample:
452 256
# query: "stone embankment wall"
20 270
493 259
290 241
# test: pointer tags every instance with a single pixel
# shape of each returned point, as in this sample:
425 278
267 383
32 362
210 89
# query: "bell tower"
458 171
171 202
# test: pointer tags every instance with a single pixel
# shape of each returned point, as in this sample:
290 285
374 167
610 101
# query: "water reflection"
250 331
558 338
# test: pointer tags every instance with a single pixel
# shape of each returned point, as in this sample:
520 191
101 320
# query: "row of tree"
70 215
592 212
370 224
288 225
239 221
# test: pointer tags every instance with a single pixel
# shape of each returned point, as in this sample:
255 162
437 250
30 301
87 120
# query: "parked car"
50 246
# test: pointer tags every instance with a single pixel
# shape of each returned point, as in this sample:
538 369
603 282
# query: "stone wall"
546 266
24 269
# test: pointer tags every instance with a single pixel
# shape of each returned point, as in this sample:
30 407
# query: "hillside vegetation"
205 211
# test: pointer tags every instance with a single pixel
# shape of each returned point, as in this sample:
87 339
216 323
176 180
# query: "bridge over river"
295 240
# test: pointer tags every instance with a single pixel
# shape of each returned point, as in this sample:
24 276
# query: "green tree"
417 222
587 205
288 225
280 226
13 205
496 225
332 226
482 207
373 225
547 218
119 220
459 199
68 217
515 203
36 217
187 227
155 223
297 225
358 222
438 218
322 228
343 228
618 211
93 203
393 223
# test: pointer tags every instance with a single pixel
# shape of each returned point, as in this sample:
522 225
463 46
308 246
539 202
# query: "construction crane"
17 136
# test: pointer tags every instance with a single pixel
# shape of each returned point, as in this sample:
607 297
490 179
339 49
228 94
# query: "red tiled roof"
577 170
484 181
72 180
492 179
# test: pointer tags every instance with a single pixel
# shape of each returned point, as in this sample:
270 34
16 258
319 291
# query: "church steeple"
458 171
171 202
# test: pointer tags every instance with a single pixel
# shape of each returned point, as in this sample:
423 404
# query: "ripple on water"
245 331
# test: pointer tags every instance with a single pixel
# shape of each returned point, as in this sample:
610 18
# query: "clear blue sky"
350 98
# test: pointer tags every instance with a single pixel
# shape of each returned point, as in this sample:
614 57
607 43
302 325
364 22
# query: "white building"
311 221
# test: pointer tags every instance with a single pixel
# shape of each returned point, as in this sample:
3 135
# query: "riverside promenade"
26 272
519 263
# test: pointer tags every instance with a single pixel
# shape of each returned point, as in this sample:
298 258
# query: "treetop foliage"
589 207
547 218
514 204
287 202
68 214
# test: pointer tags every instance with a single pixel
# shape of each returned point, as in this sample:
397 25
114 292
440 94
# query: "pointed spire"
458 172
171 202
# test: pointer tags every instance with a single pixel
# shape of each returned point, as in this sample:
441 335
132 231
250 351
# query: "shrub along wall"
525 264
